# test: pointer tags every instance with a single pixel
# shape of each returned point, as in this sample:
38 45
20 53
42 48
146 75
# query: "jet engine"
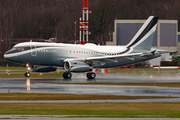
77 66
44 69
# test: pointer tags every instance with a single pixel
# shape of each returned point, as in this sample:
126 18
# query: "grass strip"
128 84
119 110
44 96
13 68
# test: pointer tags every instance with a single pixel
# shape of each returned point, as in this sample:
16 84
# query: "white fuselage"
54 54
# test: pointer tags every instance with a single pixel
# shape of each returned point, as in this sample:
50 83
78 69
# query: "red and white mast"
83 19
80 30
87 13
75 32
83 24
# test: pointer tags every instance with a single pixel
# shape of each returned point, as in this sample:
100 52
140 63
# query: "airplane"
47 57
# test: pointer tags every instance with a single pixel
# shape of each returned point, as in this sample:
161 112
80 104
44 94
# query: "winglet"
153 52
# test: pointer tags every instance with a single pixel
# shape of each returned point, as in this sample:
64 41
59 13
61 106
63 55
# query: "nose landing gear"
27 74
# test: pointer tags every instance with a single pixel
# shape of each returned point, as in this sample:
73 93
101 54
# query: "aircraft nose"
6 55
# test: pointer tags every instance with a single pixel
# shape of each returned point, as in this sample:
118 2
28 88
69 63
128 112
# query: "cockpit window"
20 49
14 48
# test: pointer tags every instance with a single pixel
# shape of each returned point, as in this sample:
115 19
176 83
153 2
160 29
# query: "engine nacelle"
77 66
44 69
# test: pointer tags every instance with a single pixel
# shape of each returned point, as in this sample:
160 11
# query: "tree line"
55 18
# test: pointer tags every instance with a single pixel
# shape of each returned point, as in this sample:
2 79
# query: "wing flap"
115 57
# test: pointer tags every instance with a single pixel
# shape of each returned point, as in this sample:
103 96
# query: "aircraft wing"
130 56
100 60
114 58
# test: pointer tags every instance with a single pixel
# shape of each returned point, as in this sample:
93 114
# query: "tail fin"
144 37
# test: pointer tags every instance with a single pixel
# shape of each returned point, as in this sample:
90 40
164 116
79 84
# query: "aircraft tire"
67 75
91 75
27 74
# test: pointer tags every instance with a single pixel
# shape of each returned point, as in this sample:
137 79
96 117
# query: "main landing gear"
91 75
68 75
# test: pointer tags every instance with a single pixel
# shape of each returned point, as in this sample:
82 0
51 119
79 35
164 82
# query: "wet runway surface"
45 85
94 101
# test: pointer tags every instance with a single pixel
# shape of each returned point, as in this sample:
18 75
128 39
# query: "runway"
94 101
46 85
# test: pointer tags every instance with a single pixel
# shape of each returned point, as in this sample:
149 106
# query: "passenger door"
33 50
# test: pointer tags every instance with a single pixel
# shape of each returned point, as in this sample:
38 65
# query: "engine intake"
77 66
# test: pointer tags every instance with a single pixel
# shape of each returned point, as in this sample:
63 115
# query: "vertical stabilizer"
144 37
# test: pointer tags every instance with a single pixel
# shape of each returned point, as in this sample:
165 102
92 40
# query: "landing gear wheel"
67 75
27 74
91 75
